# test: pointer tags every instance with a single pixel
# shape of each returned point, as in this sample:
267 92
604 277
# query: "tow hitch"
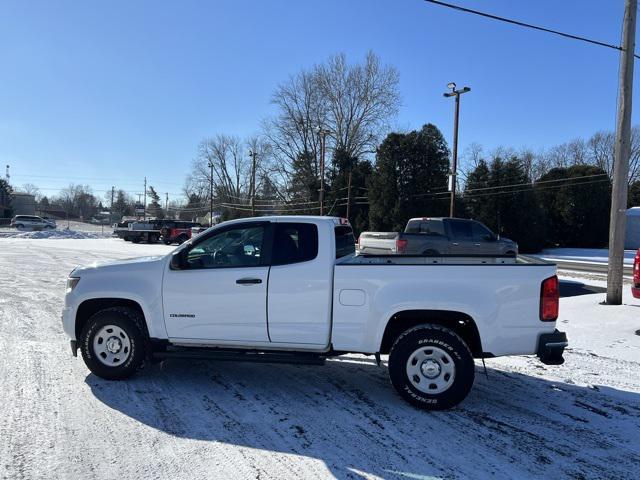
551 347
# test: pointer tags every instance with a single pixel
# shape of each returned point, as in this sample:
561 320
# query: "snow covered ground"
595 255
196 420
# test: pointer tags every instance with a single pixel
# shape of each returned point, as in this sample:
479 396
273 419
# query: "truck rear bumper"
551 347
635 291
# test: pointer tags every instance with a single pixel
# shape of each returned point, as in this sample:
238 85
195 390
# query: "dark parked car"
435 236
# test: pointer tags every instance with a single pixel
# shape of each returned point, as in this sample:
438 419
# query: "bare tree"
31 189
353 102
360 99
78 201
293 132
224 156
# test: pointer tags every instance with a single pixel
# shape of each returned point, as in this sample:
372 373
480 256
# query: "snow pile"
58 234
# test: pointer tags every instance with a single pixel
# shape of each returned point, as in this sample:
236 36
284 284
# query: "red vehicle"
635 287
176 231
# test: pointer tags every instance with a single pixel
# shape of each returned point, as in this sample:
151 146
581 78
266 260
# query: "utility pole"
253 156
323 135
111 209
349 193
144 211
7 176
618 217
210 193
166 204
454 163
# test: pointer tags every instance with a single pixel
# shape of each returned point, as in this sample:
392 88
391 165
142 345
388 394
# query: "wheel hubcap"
431 370
112 345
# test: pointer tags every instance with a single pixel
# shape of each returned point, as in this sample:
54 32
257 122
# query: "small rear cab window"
345 241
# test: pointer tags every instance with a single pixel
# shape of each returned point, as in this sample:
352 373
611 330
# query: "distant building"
23 203
632 240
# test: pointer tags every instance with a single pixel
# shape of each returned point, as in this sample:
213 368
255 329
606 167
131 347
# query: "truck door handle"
248 281
455 244
477 244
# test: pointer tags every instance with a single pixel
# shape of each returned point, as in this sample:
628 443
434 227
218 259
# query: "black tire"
131 322
135 239
166 242
441 338
153 238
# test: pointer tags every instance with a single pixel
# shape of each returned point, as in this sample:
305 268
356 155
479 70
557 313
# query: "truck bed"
500 293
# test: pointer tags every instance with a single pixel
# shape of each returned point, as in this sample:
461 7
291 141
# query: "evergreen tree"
577 208
121 206
154 209
304 185
337 189
633 199
500 196
410 168
6 196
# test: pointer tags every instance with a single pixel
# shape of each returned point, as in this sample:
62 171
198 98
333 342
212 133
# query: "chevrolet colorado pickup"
290 289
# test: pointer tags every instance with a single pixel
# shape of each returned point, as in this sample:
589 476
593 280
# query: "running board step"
243 356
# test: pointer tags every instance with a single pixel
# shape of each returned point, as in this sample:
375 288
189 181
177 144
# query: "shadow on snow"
348 415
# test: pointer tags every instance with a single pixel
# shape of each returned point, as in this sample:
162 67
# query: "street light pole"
253 156
454 163
622 153
144 211
323 134
210 193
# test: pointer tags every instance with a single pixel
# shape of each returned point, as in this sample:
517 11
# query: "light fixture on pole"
454 164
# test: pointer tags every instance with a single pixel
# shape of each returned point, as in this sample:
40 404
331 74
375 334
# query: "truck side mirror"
178 260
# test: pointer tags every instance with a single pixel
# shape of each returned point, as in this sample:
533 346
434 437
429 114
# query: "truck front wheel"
113 344
431 367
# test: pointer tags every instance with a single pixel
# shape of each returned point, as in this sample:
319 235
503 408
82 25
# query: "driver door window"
239 247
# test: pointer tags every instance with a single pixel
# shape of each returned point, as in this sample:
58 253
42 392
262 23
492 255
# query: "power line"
527 25
536 188
535 183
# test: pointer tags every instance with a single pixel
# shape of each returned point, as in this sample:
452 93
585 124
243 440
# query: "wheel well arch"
461 323
93 305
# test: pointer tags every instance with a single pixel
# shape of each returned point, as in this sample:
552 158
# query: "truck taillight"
550 299
636 269
401 245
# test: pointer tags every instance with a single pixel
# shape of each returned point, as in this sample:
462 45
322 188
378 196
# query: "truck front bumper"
551 347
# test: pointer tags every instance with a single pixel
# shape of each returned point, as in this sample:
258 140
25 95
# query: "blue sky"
105 93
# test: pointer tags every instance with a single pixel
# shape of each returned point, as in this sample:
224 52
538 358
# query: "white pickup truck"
290 289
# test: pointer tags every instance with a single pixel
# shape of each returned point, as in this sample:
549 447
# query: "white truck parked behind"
290 289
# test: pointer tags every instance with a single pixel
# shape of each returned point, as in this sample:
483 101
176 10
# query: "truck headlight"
71 283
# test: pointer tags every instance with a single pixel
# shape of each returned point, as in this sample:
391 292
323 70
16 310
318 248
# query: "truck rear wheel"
431 367
113 344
